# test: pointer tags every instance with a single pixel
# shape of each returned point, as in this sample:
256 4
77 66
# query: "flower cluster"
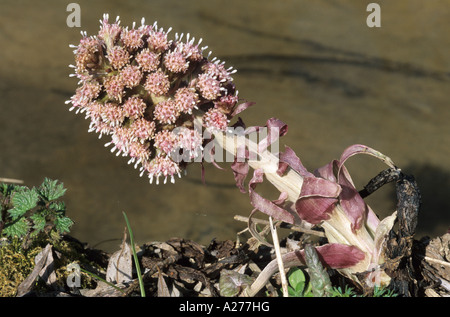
137 86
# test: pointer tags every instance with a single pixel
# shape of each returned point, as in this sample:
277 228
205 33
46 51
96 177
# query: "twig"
11 180
284 225
443 263
276 245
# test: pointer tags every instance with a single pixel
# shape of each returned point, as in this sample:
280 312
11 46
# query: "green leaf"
51 190
17 228
23 199
383 292
38 221
63 224
293 293
58 206
6 189
298 283
297 279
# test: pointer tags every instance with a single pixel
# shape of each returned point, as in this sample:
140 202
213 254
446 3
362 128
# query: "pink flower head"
93 111
215 120
134 107
176 62
118 56
162 166
132 39
85 94
112 114
120 140
166 111
166 141
109 33
208 86
138 152
186 99
142 129
91 89
191 51
114 87
217 70
88 54
131 76
157 83
157 40
148 60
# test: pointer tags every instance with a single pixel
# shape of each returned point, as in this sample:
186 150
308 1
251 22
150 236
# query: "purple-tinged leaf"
363 149
275 129
340 256
315 209
288 158
264 205
241 107
352 203
327 171
317 199
240 167
354 206
240 171
332 255
319 187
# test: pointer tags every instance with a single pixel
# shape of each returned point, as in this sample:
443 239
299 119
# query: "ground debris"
120 266
189 269
433 256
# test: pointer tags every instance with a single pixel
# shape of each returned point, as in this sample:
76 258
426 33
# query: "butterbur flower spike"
138 86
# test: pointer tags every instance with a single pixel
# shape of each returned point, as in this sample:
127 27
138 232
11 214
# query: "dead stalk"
276 245
283 225
11 180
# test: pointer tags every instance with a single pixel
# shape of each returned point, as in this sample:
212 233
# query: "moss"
72 252
16 264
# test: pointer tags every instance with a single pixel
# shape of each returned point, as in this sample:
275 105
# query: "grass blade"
136 261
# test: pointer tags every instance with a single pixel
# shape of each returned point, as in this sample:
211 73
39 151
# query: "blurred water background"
316 65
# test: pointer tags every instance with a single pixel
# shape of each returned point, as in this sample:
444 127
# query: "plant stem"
290 183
